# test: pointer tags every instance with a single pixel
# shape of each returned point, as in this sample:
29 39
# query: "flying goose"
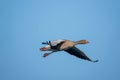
67 46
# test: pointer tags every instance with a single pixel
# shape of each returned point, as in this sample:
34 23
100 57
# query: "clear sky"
24 24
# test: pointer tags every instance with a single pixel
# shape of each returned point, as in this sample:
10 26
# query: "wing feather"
78 53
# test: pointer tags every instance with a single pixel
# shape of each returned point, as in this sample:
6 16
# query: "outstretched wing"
78 53
55 44
57 47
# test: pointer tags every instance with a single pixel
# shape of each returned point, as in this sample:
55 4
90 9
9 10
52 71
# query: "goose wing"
57 46
78 53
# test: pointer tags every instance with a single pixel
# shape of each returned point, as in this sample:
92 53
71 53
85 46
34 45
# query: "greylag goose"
67 46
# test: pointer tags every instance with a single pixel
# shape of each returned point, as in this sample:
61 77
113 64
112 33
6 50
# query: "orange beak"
86 42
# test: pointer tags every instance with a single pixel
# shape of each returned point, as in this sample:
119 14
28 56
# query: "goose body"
67 46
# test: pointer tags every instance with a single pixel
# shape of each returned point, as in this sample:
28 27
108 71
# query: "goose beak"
86 42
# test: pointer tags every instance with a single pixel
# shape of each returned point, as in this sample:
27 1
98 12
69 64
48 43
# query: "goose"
67 46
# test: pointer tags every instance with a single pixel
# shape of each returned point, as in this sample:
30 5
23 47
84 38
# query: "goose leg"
46 54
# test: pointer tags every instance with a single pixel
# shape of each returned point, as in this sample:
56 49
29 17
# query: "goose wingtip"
95 61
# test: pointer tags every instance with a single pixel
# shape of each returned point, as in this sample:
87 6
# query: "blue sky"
24 24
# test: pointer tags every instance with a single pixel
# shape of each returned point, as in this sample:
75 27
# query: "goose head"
84 41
